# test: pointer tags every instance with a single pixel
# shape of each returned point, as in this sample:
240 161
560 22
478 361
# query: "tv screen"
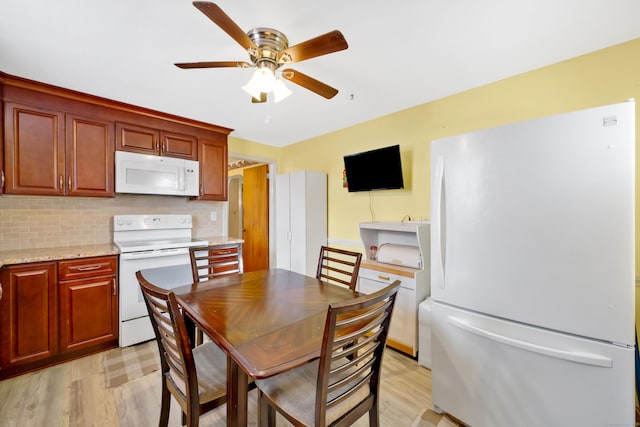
379 169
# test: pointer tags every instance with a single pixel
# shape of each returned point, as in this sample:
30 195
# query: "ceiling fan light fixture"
280 91
252 89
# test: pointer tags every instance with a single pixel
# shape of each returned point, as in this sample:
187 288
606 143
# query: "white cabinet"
414 282
301 220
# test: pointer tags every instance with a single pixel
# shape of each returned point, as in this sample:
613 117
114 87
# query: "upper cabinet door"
2 173
89 157
146 140
212 155
138 139
179 145
34 148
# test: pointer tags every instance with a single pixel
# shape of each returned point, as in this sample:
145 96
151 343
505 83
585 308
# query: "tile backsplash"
28 222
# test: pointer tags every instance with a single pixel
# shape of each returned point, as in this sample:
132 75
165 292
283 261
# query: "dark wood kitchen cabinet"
212 155
28 316
62 142
51 312
2 175
146 140
88 296
50 152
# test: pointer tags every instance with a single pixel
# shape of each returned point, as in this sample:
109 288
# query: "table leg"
237 395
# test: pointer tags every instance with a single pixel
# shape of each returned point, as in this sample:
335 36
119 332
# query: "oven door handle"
153 254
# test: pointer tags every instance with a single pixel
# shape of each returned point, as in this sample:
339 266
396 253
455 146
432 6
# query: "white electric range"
149 242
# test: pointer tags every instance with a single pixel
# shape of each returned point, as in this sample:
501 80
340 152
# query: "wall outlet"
214 216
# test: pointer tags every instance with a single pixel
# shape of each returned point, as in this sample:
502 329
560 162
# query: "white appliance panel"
493 373
148 174
131 299
534 222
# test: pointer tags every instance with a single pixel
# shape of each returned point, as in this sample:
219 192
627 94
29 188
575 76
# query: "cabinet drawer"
87 267
387 278
225 259
224 251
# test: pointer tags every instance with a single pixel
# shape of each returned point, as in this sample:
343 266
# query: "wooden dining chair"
339 266
345 383
216 260
197 378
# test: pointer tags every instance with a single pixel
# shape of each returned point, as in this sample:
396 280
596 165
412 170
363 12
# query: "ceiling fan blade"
309 83
263 98
223 21
327 43
214 64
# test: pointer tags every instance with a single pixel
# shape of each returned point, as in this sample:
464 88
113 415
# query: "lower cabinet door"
403 331
28 315
88 312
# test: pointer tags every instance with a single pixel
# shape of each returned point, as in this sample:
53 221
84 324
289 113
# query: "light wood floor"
74 394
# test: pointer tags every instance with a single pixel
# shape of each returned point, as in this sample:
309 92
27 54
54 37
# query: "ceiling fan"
269 50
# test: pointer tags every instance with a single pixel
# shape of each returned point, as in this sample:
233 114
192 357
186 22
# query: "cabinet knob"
61 183
69 183
115 287
0 290
1 179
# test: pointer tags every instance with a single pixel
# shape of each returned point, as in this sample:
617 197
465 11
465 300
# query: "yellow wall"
608 76
253 149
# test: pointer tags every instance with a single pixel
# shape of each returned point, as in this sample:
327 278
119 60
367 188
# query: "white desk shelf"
414 282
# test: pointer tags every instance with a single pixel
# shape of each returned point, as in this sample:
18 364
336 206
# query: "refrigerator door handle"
572 356
439 214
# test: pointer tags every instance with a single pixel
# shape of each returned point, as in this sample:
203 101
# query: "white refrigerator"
532 271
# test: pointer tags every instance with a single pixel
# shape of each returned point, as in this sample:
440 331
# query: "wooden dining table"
267 322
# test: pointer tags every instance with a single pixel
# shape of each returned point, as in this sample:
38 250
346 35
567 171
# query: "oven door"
132 304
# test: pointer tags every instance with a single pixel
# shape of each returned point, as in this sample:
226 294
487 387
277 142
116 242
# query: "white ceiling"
400 54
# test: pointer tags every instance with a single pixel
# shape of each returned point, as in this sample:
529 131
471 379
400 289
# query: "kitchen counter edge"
25 256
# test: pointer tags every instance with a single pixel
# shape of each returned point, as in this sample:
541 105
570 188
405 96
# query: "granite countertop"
23 256
220 240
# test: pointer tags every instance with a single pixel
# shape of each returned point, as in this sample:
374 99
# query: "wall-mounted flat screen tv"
379 169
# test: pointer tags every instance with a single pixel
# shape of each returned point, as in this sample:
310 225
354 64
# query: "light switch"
214 216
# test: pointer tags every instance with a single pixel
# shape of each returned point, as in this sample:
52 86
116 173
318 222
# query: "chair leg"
165 404
193 417
266 413
374 415
183 419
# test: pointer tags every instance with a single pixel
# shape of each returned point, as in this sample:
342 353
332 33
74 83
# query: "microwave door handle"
181 175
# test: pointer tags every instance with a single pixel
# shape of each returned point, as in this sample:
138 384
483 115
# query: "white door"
283 219
534 222
492 373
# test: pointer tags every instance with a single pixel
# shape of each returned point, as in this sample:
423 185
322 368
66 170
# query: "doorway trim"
272 167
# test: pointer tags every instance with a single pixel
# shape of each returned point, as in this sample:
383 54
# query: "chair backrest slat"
216 260
339 266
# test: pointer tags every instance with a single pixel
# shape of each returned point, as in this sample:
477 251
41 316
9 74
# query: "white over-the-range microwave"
147 174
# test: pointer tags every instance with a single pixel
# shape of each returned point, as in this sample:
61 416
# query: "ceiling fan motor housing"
270 42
